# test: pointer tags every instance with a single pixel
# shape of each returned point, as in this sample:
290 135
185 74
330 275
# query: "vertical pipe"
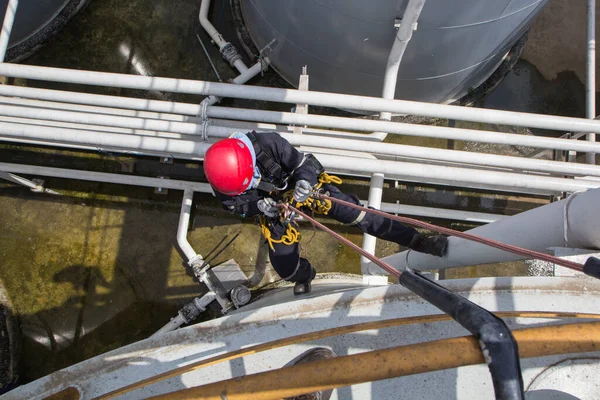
9 20
369 242
405 30
182 228
591 73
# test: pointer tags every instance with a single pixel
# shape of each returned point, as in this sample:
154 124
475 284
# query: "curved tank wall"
346 43
36 22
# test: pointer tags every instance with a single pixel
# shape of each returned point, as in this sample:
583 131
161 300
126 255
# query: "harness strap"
266 162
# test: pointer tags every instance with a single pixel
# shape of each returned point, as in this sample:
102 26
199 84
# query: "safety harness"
317 205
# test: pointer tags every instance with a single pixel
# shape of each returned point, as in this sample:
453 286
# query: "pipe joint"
230 54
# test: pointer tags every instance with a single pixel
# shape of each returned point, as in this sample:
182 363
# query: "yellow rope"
319 206
290 236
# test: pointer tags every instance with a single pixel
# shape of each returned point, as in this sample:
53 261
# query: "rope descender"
315 202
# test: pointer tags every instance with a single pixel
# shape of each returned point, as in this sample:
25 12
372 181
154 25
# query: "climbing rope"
291 235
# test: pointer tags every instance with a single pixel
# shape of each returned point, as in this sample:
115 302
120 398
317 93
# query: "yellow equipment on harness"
290 236
319 206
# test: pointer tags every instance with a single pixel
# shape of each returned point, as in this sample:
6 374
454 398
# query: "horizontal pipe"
566 223
401 128
453 176
121 179
191 128
163 109
442 213
337 100
105 140
291 118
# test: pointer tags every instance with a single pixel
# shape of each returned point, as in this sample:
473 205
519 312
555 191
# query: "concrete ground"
97 267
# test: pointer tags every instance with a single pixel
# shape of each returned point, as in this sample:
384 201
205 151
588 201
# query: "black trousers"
286 258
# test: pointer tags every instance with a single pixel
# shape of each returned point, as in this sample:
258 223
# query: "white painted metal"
299 97
132 180
591 73
280 315
182 229
215 35
369 242
20 181
175 123
442 213
367 125
7 25
538 229
407 25
455 176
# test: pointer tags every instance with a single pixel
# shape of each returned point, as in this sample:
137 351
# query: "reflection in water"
131 56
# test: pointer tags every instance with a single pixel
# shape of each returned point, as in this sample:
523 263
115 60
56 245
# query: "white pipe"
215 35
189 128
441 213
132 180
208 27
405 31
291 96
200 302
7 25
193 258
591 73
20 181
454 176
165 146
161 141
538 229
375 194
161 109
242 78
143 125
402 129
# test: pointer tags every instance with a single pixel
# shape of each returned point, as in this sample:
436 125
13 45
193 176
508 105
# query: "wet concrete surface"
97 267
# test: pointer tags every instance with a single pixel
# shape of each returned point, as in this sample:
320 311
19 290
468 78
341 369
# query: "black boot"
305 287
436 245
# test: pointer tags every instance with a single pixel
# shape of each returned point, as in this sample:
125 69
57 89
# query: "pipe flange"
230 54
240 296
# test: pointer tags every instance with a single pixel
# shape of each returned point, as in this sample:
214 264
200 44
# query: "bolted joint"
190 312
230 53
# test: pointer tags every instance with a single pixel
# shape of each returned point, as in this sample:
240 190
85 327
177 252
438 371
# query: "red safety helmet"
228 166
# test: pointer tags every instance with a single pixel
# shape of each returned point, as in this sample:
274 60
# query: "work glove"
267 207
302 191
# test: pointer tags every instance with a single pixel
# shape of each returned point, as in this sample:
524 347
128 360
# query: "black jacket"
293 169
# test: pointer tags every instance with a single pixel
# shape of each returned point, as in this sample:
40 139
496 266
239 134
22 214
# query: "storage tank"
36 22
345 43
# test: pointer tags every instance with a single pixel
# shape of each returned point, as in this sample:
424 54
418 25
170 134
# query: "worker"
250 172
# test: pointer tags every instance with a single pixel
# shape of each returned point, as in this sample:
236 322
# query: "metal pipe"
567 223
7 25
591 73
182 229
291 96
132 180
216 36
402 128
21 181
442 213
407 171
290 118
163 109
188 313
192 128
407 25
369 242
455 176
